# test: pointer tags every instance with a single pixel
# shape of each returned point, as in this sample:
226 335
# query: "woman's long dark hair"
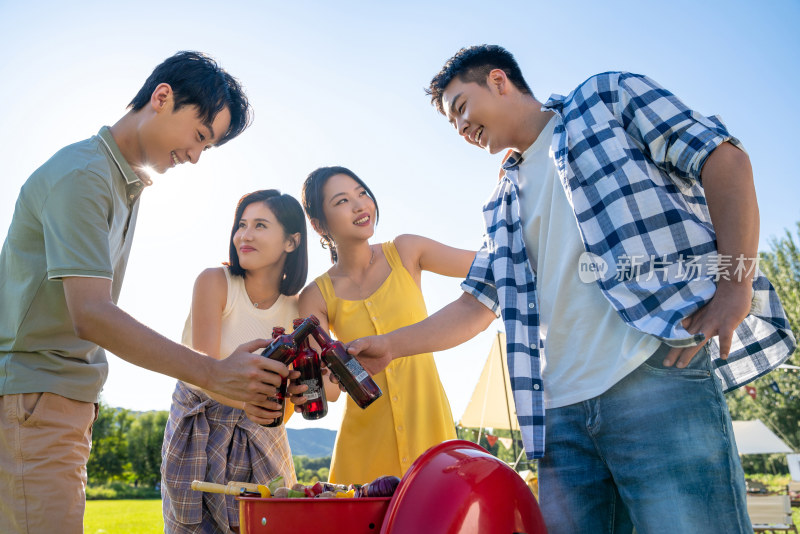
312 201
290 216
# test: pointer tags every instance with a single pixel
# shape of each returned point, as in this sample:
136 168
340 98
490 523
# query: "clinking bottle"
307 363
284 346
284 349
356 381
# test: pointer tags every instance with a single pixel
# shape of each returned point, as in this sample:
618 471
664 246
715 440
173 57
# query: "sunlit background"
341 83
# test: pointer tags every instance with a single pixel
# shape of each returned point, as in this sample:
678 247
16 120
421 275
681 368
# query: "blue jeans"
655 452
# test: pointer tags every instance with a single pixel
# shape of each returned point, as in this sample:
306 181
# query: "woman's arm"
311 302
422 254
208 302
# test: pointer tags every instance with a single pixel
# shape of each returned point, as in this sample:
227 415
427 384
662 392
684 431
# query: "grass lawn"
137 516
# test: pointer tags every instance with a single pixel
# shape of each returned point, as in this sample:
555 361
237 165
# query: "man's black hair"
197 80
473 64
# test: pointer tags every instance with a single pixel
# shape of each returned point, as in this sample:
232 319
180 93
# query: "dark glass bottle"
282 348
307 363
356 381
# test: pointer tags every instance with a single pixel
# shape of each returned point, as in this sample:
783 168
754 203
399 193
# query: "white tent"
753 437
492 402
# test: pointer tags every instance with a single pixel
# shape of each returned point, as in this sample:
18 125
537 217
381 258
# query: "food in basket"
275 484
380 487
281 493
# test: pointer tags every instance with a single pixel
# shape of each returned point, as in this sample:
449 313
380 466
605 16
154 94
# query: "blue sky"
342 83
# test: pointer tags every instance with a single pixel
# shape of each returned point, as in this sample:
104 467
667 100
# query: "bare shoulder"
311 302
213 276
408 240
211 284
409 246
311 297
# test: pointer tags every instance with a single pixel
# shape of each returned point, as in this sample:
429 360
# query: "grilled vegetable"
381 487
281 493
274 484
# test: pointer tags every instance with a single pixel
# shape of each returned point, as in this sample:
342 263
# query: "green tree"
779 410
109 456
310 470
145 437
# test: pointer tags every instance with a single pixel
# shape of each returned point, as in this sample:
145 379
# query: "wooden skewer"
249 486
232 488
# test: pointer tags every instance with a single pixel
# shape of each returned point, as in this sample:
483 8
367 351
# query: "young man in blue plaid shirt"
620 250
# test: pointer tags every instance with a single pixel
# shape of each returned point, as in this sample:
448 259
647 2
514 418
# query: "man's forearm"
459 321
113 329
728 182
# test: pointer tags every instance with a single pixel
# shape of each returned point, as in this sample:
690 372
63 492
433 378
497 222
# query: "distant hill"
311 442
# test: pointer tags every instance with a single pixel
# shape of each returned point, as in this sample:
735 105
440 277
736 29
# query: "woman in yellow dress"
372 289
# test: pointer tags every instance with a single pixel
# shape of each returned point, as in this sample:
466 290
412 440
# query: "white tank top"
243 322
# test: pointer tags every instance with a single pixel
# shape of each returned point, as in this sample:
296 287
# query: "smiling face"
349 210
168 138
261 240
481 114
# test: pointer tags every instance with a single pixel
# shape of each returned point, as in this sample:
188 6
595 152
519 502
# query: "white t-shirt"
588 347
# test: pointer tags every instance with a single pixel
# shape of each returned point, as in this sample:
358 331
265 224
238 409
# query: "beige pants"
45 441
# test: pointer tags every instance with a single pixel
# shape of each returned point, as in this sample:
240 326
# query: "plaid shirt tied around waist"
628 154
209 441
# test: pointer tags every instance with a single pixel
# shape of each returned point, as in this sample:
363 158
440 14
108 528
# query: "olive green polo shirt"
74 216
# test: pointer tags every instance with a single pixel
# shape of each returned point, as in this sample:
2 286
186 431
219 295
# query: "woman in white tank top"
209 437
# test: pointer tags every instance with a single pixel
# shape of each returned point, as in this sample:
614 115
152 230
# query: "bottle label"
312 393
356 370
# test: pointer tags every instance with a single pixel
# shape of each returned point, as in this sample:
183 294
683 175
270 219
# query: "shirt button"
130 197
394 398
374 318
405 460
400 428
369 303
531 305
536 386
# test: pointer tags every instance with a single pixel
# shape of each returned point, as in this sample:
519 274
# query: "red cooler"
455 487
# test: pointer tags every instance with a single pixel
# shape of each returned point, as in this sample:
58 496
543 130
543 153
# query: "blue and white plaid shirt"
629 155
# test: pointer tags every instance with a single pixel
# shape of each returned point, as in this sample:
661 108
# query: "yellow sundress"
413 413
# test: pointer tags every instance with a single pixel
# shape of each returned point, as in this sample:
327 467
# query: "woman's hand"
263 413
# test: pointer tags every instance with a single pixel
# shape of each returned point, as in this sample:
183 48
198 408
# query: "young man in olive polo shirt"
61 270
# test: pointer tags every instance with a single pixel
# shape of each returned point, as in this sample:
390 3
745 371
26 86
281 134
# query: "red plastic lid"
456 487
